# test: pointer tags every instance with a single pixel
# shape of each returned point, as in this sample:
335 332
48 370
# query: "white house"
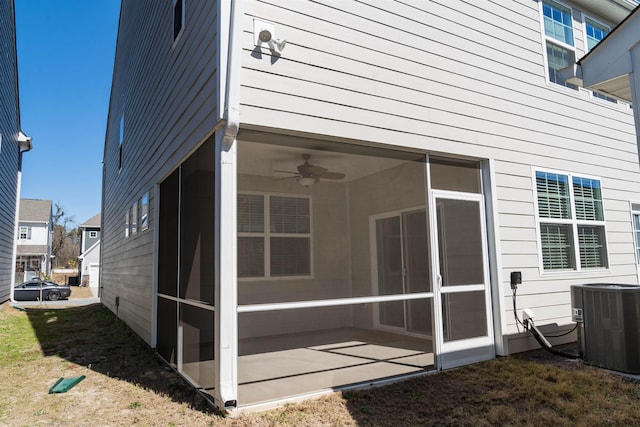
90 253
33 244
300 197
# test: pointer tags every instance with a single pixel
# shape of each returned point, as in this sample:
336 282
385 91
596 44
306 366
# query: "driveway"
72 302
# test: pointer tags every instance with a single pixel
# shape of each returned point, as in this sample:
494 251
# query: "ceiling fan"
309 174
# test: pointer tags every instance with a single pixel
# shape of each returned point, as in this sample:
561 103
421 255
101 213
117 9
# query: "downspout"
24 145
226 340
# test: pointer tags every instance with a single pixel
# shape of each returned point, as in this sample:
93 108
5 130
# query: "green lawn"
126 384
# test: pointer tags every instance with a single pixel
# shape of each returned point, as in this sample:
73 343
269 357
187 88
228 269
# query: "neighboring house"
89 258
304 196
33 245
12 144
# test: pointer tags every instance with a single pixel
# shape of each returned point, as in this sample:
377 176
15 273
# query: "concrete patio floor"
290 366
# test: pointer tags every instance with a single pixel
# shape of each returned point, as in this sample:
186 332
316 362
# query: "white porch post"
226 300
229 26
634 81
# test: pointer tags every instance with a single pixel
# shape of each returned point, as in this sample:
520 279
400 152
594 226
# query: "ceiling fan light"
306 181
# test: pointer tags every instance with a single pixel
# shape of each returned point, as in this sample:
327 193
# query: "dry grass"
127 385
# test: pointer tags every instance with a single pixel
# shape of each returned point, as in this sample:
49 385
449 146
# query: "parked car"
34 290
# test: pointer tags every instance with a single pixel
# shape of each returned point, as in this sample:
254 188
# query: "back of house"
300 197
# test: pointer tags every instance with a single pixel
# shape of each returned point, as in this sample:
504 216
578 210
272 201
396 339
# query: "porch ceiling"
31 249
264 159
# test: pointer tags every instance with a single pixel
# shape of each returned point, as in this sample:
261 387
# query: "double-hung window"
558 32
274 236
571 222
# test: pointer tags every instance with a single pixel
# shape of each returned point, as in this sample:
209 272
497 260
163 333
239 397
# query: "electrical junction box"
608 317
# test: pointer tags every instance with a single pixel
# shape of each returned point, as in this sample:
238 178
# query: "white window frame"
126 223
93 234
547 39
24 230
143 210
133 225
266 234
586 18
121 145
635 212
176 37
574 222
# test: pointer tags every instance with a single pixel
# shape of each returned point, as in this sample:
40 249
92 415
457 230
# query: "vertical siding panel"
9 127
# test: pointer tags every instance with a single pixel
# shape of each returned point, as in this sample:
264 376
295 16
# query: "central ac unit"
608 317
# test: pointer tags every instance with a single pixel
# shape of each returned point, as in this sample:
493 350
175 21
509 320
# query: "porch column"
634 81
226 299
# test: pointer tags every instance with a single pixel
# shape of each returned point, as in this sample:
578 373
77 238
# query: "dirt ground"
127 384
80 292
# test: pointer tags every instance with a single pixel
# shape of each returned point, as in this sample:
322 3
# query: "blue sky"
65 62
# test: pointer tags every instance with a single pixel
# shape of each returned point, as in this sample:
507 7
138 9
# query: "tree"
65 241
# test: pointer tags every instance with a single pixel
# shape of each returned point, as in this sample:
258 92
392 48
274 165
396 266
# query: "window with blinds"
571 222
274 236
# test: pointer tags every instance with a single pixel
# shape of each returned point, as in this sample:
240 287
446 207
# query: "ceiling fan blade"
332 175
287 177
295 173
317 170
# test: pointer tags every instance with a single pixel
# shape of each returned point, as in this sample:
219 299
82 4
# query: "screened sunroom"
354 266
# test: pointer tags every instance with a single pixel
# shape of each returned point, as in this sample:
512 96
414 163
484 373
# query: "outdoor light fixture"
24 142
264 33
306 181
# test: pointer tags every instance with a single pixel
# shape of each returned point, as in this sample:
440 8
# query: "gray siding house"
12 144
89 265
300 197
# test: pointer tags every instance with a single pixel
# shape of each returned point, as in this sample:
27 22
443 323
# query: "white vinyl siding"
571 222
274 236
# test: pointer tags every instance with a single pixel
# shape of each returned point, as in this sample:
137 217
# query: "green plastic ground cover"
65 384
